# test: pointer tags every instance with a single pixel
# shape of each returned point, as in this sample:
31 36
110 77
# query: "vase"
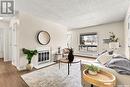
29 66
114 45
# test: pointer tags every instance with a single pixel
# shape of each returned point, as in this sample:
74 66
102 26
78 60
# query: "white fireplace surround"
45 58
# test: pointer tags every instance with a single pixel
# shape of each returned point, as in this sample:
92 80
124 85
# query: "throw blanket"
120 64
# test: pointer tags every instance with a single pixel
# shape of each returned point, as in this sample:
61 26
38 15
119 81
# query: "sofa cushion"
104 58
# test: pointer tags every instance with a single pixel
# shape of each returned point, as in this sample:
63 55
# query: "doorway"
8 44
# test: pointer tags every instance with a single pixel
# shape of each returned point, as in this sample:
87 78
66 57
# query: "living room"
55 43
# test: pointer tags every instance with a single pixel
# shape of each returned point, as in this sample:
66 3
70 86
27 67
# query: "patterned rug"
52 76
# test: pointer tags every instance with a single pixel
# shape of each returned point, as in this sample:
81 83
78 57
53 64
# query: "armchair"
65 52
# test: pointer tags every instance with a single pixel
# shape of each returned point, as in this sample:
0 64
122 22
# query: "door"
14 45
6 44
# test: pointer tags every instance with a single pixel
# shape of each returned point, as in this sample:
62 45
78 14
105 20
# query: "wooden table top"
66 61
102 79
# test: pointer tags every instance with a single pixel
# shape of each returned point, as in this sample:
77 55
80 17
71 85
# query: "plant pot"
92 72
29 67
114 45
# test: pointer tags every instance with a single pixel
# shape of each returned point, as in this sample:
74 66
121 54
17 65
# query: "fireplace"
43 56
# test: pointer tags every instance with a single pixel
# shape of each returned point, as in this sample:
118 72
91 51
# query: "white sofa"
122 80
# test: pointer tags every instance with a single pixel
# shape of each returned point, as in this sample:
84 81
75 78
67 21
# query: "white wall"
28 29
127 49
1 44
103 33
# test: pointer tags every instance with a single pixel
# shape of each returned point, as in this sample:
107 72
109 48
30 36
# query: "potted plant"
93 70
113 44
113 37
29 55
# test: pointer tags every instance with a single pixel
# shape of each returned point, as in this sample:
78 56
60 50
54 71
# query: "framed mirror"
43 37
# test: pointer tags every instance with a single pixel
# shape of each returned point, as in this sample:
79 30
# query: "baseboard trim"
85 56
44 65
21 68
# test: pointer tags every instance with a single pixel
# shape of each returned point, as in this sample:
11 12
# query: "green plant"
93 68
113 37
29 53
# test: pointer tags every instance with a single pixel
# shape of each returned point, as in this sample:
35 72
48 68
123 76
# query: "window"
89 39
88 43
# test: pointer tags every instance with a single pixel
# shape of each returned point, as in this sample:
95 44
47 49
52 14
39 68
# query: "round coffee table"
102 79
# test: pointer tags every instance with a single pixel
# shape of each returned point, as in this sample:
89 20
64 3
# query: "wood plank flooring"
9 76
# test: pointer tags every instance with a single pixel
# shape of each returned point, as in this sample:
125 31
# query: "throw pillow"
104 58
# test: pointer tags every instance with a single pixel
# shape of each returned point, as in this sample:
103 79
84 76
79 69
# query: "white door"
14 46
6 44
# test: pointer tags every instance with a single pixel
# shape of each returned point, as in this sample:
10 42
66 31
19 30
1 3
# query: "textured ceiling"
76 13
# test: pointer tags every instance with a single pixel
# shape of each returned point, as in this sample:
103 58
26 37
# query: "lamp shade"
114 45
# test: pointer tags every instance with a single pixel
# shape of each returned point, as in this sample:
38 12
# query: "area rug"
52 76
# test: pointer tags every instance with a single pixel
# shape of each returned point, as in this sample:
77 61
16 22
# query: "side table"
67 61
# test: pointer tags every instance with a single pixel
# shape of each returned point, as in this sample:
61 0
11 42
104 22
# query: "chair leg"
68 69
70 64
59 64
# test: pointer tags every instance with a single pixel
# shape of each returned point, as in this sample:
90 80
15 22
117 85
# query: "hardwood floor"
10 76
